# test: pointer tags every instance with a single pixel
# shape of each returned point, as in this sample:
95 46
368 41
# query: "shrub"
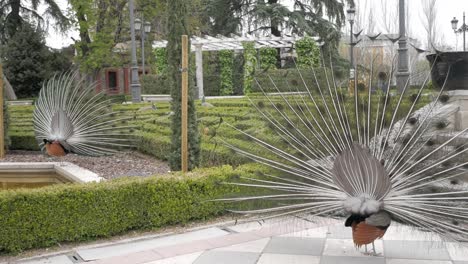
155 84
226 61
76 212
308 53
250 61
268 58
23 141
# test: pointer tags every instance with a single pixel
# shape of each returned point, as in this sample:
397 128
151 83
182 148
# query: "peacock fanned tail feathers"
374 156
70 112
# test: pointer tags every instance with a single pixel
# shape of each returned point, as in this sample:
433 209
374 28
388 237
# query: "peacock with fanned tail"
70 117
373 157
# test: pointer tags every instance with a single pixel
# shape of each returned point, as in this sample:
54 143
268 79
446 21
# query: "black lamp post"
146 29
135 83
462 29
351 13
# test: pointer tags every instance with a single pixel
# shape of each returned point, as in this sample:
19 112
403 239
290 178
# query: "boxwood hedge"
75 212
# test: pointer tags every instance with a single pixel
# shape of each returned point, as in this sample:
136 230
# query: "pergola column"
199 69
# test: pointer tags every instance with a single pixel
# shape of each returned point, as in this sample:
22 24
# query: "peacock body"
373 157
69 116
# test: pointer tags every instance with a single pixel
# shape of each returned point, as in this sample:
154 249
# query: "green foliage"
26 60
250 60
177 26
308 53
160 61
268 58
75 212
6 124
155 84
226 62
15 14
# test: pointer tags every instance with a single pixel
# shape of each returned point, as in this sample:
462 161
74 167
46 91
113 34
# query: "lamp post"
402 75
351 13
146 29
462 29
135 83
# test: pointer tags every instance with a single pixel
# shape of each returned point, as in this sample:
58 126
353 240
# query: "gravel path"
118 165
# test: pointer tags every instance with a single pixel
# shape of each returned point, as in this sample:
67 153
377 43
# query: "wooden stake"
184 103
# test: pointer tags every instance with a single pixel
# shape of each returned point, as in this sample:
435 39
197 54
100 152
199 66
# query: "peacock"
371 157
70 117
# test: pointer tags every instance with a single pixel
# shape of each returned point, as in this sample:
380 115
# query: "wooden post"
184 103
2 128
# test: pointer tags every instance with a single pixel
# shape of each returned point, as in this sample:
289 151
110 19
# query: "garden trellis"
209 43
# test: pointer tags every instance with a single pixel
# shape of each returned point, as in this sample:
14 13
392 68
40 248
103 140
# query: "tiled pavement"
291 240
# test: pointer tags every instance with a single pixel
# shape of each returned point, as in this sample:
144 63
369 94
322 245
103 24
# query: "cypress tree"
178 26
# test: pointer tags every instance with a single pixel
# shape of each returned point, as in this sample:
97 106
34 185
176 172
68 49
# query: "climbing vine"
250 60
226 61
268 58
160 62
308 53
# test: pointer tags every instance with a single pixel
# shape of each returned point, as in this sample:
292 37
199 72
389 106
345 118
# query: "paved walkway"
291 240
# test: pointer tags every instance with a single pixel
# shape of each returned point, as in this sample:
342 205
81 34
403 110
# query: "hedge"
76 212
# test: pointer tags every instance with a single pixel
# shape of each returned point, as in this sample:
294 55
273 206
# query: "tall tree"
26 61
14 13
276 17
178 26
429 19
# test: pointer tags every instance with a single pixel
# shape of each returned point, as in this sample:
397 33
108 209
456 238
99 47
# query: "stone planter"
457 62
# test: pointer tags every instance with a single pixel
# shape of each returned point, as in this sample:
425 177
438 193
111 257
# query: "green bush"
155 84
250 61
268 58
308 53
76 212
23 141
226 61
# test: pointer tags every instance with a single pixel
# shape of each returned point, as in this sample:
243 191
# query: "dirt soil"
119 165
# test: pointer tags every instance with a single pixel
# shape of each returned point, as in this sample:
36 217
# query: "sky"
446 10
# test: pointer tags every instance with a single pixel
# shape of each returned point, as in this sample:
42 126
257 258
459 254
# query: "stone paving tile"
351 260
319 232
458 252
183 259
339 232
133 258
182 249
52 260
415 250
256 246
227 257
415 261
346 247
287 259
128 248
232 239
295 246
401 232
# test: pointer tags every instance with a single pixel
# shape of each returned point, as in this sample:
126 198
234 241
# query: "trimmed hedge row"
75 212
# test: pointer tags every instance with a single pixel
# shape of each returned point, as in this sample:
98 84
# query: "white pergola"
208 43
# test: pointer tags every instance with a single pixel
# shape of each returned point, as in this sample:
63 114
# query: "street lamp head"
454 23
351 13
137 24
147 27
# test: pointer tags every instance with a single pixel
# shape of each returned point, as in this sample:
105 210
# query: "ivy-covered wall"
226 61
250 60
268 58
308 53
